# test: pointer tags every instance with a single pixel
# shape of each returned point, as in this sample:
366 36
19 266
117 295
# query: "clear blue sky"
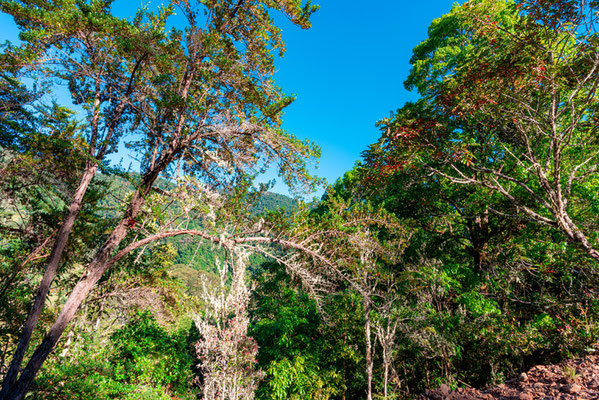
347 71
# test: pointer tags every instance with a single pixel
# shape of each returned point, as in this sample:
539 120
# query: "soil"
572 379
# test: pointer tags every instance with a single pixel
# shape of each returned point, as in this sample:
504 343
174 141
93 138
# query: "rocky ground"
573 379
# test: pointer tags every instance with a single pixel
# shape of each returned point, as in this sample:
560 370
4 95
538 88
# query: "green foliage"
142 360
500 89
300 358
490 275
485 290
454 231
273 201
146 354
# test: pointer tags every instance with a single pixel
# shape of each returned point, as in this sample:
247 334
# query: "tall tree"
199 100
102 74
373 241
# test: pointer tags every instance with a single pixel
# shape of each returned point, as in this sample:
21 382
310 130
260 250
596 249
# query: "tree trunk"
386 337
93 273
576 235
385 371
49 275
368 347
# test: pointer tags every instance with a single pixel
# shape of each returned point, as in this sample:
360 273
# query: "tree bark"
368 347
576 235
94 271
49 275
385 373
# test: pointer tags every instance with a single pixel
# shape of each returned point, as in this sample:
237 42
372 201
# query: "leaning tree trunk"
93 273
49 275
91 168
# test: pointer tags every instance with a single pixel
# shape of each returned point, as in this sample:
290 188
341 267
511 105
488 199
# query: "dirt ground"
572 379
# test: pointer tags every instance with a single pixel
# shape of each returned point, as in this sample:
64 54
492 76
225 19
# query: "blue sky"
347 71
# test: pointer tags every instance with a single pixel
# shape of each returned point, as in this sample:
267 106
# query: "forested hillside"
462 249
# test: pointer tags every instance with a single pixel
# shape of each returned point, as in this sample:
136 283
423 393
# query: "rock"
525 396
444 389
573 388
523 377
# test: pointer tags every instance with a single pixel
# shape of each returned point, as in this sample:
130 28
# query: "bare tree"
227 354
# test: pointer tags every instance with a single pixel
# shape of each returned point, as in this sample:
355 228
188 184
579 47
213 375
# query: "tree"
40 157
386 328
227 354
509 96
456 168
296 354
83 43
374 241
199 101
